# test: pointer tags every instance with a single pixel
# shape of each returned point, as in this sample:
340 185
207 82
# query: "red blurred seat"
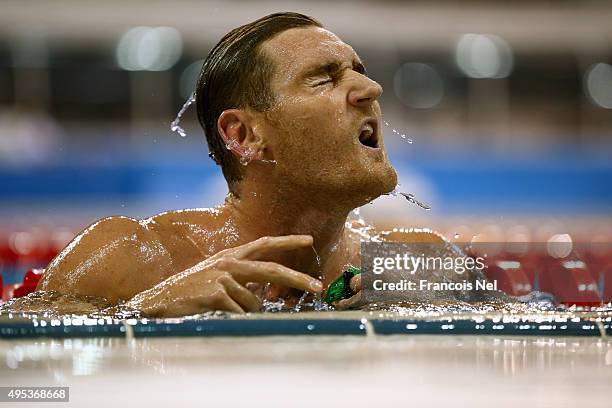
30 280
534 265
510 277
571 283
602 274
7 255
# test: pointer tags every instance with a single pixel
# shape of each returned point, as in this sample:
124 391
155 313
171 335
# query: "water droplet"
174 126
410 141
310 327
402 135
410 198
300 302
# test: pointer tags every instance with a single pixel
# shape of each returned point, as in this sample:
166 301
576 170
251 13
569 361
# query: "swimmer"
294 122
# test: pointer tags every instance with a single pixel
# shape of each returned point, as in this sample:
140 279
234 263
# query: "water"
272 306
51 303
410 197
300 302
402 135
247 156
306 302
174 126
43 306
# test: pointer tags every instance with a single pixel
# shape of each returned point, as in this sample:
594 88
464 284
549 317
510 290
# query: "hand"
217 283
355 285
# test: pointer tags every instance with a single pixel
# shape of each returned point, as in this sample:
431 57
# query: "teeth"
366 132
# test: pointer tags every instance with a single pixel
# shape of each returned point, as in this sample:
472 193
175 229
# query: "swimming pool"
374 370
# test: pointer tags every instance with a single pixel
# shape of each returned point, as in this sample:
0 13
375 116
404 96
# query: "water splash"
232 144
358 217
317 303
273 306
270 305
300 303
248 155
402 135
410 198
174 126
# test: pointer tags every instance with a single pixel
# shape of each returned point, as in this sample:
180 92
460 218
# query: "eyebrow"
332 67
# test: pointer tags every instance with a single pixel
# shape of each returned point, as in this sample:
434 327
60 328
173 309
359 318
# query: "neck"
270 209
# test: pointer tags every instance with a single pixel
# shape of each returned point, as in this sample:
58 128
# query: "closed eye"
325 81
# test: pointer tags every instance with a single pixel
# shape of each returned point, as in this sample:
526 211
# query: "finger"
259 271
254 287
355 283
267 245
220 300
245 298
348 303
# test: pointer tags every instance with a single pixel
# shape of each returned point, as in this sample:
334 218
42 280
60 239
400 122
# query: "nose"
364 92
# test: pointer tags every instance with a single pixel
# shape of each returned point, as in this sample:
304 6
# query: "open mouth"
368 135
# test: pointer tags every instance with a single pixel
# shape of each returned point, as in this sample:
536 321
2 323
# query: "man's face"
325 129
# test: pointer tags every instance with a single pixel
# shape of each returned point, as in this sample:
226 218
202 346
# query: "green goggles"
341 287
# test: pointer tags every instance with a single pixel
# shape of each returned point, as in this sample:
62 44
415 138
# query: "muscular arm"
158 268
115 258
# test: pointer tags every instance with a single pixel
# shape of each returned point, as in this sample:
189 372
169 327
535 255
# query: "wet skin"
307 169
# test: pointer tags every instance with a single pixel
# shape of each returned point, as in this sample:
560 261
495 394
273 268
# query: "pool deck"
372 368
299 371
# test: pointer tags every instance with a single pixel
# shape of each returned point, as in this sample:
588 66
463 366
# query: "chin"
377 183
389 181
353 186
383 179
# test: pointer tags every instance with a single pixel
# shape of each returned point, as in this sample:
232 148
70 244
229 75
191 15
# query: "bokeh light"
484 56
560 245
149 49
418 85
598 85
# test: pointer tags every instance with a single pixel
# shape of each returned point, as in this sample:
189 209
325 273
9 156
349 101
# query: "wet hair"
237 74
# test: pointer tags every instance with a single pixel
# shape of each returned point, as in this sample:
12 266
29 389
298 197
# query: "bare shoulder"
359 230
197 216
105 230
413 235
114 258
191 233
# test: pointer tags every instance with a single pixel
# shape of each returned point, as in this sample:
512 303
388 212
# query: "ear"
235 128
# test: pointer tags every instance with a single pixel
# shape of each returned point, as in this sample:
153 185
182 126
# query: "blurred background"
508 105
